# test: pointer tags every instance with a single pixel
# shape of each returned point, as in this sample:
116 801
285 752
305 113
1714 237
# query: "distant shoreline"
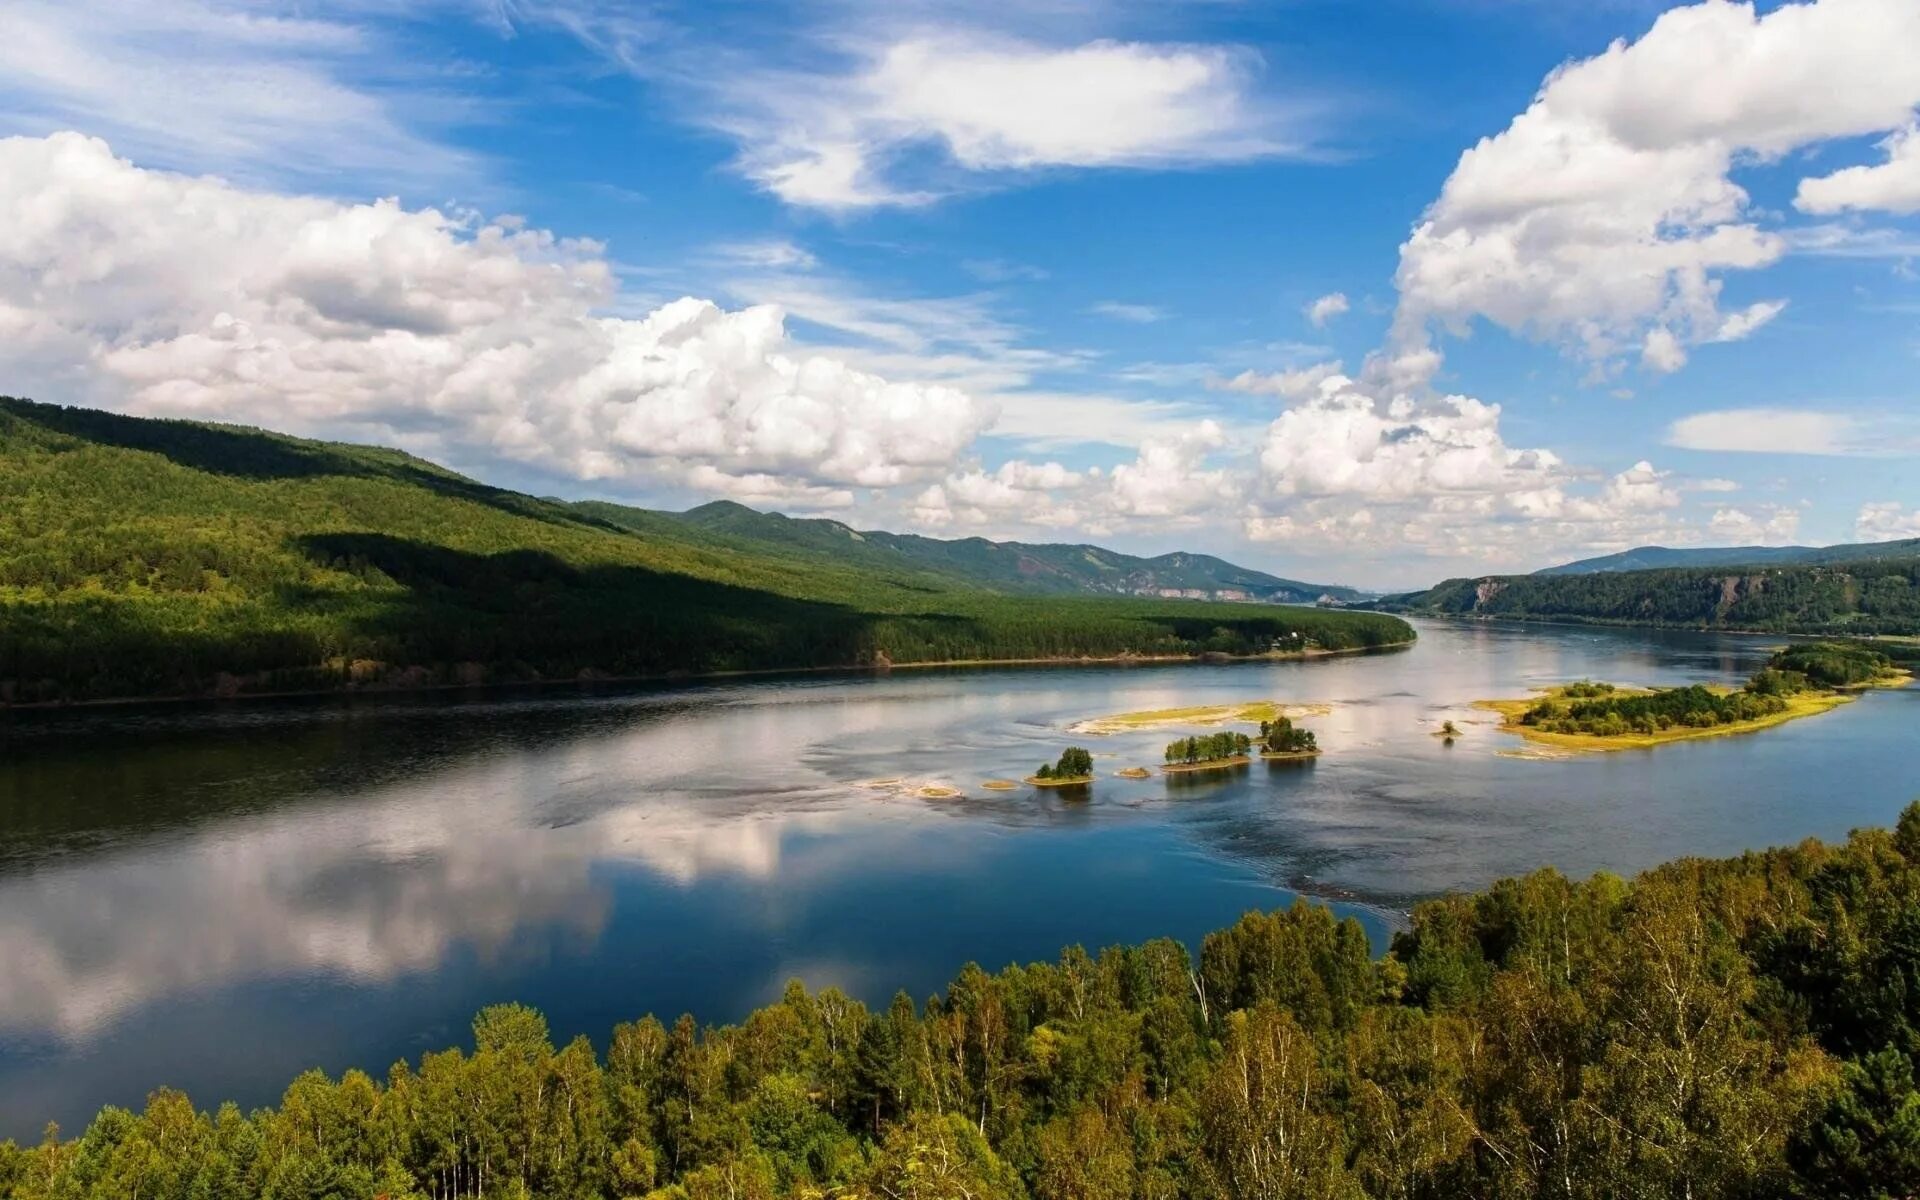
880 668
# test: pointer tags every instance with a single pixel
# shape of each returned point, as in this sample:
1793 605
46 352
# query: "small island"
1074 769
1798 681
1447 731
1134 773
1281 740
1208 752
1201 714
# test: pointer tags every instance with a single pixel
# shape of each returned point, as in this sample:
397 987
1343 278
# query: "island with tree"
1281 739
1206 752
1798 681
1075 767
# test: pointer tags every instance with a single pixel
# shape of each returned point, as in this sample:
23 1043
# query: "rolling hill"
1645 558
1014 567
144 557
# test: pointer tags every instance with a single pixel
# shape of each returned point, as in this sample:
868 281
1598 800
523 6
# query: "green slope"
143 558
1872 597
1014 567
1644 558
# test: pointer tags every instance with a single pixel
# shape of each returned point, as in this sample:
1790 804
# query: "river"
219 896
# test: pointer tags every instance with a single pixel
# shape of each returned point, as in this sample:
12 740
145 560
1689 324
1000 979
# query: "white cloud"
1886 521
1602 218
832 140
162 293
1296 384
259 89
1771 525
1345 442
1326 308
1865 433
771 253
1138 314
1892 186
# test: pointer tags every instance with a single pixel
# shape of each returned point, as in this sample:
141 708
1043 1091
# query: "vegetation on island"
1247 712
1797 681
161 558
1282 738
1877 596
1208 749
1448 730
1074 766
1747 1027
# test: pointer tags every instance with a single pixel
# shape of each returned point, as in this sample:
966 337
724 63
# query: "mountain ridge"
1024 568
1647 558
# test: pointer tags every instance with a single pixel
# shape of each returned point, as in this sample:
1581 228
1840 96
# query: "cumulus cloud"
1326 308
1885 521
1891 186
1603 217
1770 525
830 140
188 296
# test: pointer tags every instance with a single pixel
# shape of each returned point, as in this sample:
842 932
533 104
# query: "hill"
1869 597
1712 1029
1645 558
157 558
1015 567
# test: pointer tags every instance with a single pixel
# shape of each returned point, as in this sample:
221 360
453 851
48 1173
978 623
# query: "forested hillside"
1739 1028
146 558
1877 597
1014 567
1646 558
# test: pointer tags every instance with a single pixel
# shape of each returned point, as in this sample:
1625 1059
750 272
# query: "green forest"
1737 1028
1869 597
1207 747
160 558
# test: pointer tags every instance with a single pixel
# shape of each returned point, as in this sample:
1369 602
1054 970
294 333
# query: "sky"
1372 292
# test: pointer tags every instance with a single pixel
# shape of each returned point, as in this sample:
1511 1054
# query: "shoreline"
1071 781
1289 755
675 677
1212 764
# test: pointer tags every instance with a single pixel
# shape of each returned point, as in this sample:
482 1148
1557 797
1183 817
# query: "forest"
1207 747
163 558
1282 736
1744 1027
1867 597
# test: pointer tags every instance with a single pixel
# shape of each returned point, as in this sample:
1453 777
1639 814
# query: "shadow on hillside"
532 614
246 453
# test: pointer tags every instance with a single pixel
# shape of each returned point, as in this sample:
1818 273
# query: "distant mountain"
1870 596
1012 567
1648 558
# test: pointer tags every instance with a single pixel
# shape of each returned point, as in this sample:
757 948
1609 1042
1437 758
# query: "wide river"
217 897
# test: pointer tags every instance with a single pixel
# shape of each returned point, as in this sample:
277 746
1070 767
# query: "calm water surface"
218 897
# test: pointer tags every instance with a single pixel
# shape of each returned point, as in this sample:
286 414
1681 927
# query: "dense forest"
147 558
1644 558
1872 597
1737 1028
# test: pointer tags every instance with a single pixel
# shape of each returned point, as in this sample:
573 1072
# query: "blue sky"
1360 292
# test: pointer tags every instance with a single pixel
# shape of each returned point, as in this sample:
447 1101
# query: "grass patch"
1803 704
1205 714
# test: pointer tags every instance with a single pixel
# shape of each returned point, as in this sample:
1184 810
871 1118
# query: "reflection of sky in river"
218 897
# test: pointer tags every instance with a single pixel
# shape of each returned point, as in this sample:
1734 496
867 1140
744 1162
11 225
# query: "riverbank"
590 679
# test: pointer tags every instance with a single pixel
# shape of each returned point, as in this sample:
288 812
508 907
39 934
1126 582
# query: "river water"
217 897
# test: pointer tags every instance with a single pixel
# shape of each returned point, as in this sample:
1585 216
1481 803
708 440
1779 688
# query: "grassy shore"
1288 755
1054 781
